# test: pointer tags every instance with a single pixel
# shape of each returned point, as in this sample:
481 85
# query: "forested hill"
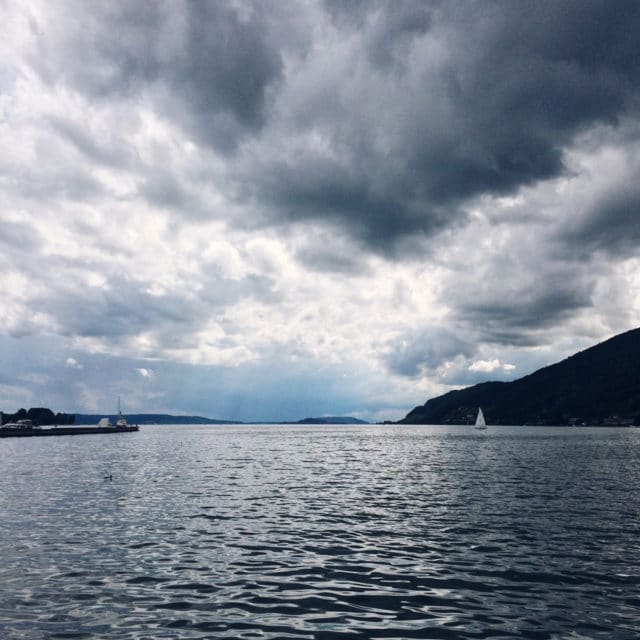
600 385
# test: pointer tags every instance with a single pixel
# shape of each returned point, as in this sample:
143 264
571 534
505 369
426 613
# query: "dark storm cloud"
611 224
420 107
518 301
515 322
482 98
226 68
390 32
418 352
108 51
344 194
207 65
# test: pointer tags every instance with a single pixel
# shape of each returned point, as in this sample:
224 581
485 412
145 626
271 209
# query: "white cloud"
488 366
72 363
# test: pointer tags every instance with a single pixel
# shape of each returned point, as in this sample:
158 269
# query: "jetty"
29 432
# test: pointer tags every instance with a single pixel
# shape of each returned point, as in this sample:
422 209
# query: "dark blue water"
322 532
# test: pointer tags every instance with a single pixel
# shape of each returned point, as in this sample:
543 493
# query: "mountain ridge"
332 420
149 418
598 385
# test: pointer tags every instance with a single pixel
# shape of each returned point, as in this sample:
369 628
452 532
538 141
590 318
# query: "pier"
62 431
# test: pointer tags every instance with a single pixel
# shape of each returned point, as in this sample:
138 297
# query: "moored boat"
121 422
20 424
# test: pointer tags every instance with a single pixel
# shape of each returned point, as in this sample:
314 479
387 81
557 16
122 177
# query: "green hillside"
600 385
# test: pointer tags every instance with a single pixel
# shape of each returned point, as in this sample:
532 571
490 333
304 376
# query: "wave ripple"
322 533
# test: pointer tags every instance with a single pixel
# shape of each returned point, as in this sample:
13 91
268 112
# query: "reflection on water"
321 532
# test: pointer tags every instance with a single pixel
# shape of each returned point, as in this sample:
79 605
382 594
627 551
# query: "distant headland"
43 416
332 420
597 386
149 418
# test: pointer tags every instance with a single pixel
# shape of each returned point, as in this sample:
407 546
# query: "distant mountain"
149 418
600 385
332 420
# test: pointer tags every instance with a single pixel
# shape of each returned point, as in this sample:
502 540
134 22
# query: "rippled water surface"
321 532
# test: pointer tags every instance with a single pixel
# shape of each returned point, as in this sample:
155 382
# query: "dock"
62 431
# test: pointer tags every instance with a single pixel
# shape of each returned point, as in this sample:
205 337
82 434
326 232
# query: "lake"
322 532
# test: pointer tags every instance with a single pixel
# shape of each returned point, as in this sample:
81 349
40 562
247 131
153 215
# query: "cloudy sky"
272 210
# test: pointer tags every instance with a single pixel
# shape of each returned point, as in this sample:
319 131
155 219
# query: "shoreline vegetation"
39 416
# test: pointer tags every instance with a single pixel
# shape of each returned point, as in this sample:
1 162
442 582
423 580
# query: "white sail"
480 423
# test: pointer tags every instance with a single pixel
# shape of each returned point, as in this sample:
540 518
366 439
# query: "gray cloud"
112 150
405 149
62 180
166 189
516 319
443 102
343 194
330 259
122 311
124 308
17 239
422 352
389 33
517 298
208 65
226 68
610 224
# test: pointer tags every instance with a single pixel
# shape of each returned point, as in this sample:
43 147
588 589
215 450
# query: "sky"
264 211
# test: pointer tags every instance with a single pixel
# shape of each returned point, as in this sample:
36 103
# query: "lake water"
322 532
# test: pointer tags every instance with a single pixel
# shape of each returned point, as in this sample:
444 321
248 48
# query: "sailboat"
480 423
121 421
